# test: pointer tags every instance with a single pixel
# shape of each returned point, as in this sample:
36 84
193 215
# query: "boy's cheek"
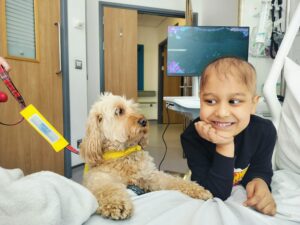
203 114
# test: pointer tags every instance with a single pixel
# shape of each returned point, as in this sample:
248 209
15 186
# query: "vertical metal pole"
65 81
287 20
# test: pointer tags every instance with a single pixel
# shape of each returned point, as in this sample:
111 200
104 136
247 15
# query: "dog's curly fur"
115 124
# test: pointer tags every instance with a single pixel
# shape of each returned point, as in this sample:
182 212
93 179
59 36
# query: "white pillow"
287 155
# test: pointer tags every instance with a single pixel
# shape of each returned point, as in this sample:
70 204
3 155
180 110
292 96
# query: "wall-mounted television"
191 49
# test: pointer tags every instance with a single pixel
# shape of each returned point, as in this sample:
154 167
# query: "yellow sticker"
238 175
44 128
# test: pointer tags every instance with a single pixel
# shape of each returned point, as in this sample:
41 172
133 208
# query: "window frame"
36 36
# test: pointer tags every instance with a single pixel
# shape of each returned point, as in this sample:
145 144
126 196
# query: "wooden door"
21 146
120 51
171 87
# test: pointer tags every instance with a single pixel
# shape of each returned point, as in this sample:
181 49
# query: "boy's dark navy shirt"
252 157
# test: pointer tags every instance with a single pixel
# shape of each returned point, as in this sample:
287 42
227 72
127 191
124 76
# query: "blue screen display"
191 49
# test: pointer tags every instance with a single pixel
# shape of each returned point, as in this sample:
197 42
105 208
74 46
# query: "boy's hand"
206 131
260 197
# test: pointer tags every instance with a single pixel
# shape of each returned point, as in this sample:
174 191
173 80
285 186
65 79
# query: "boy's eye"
211 101
234 101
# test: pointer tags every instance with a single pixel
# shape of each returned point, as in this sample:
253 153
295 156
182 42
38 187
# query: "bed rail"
269 89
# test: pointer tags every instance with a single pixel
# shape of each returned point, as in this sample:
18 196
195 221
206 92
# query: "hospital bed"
47 198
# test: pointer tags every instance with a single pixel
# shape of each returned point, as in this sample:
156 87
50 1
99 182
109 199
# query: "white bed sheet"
174 208
43 198
50 199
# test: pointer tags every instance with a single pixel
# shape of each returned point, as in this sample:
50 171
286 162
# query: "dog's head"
113 123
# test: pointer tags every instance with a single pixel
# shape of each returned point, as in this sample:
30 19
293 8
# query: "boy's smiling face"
226 104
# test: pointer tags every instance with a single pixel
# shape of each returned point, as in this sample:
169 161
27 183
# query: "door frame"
160 81
65 84
140 9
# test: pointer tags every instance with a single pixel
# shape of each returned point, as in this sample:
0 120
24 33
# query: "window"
20 23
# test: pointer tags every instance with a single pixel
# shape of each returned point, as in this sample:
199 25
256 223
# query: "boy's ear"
255 101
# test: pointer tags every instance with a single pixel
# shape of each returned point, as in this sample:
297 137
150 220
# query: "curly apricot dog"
113 150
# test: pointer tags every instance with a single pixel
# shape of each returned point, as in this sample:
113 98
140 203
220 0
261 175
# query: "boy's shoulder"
260 124
258 120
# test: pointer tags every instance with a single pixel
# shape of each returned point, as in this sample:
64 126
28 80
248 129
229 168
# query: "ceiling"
147 20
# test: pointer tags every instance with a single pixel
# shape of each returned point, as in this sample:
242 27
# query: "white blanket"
174 208
46 198
43 198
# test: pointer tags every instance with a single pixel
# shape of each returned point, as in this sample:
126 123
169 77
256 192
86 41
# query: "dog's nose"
142 122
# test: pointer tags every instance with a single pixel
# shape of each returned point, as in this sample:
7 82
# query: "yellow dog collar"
114 154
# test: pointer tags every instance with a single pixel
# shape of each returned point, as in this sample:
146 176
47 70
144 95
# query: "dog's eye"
119 111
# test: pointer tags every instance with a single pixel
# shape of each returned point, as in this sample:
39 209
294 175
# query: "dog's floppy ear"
91 146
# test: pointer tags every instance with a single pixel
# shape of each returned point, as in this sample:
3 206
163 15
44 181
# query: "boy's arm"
209 168
258 177
261 161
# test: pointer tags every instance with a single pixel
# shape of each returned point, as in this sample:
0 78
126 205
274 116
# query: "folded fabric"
43 198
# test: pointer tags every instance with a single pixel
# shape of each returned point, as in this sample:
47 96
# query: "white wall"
77 78
147 36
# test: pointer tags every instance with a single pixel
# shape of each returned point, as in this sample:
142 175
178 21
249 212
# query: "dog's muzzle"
142 122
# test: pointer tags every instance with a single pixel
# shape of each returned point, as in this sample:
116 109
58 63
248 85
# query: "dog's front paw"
202 194
117 209
196 191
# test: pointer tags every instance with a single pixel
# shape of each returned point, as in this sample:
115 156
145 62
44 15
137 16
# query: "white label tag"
43 128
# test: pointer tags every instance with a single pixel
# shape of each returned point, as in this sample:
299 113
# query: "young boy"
228 145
